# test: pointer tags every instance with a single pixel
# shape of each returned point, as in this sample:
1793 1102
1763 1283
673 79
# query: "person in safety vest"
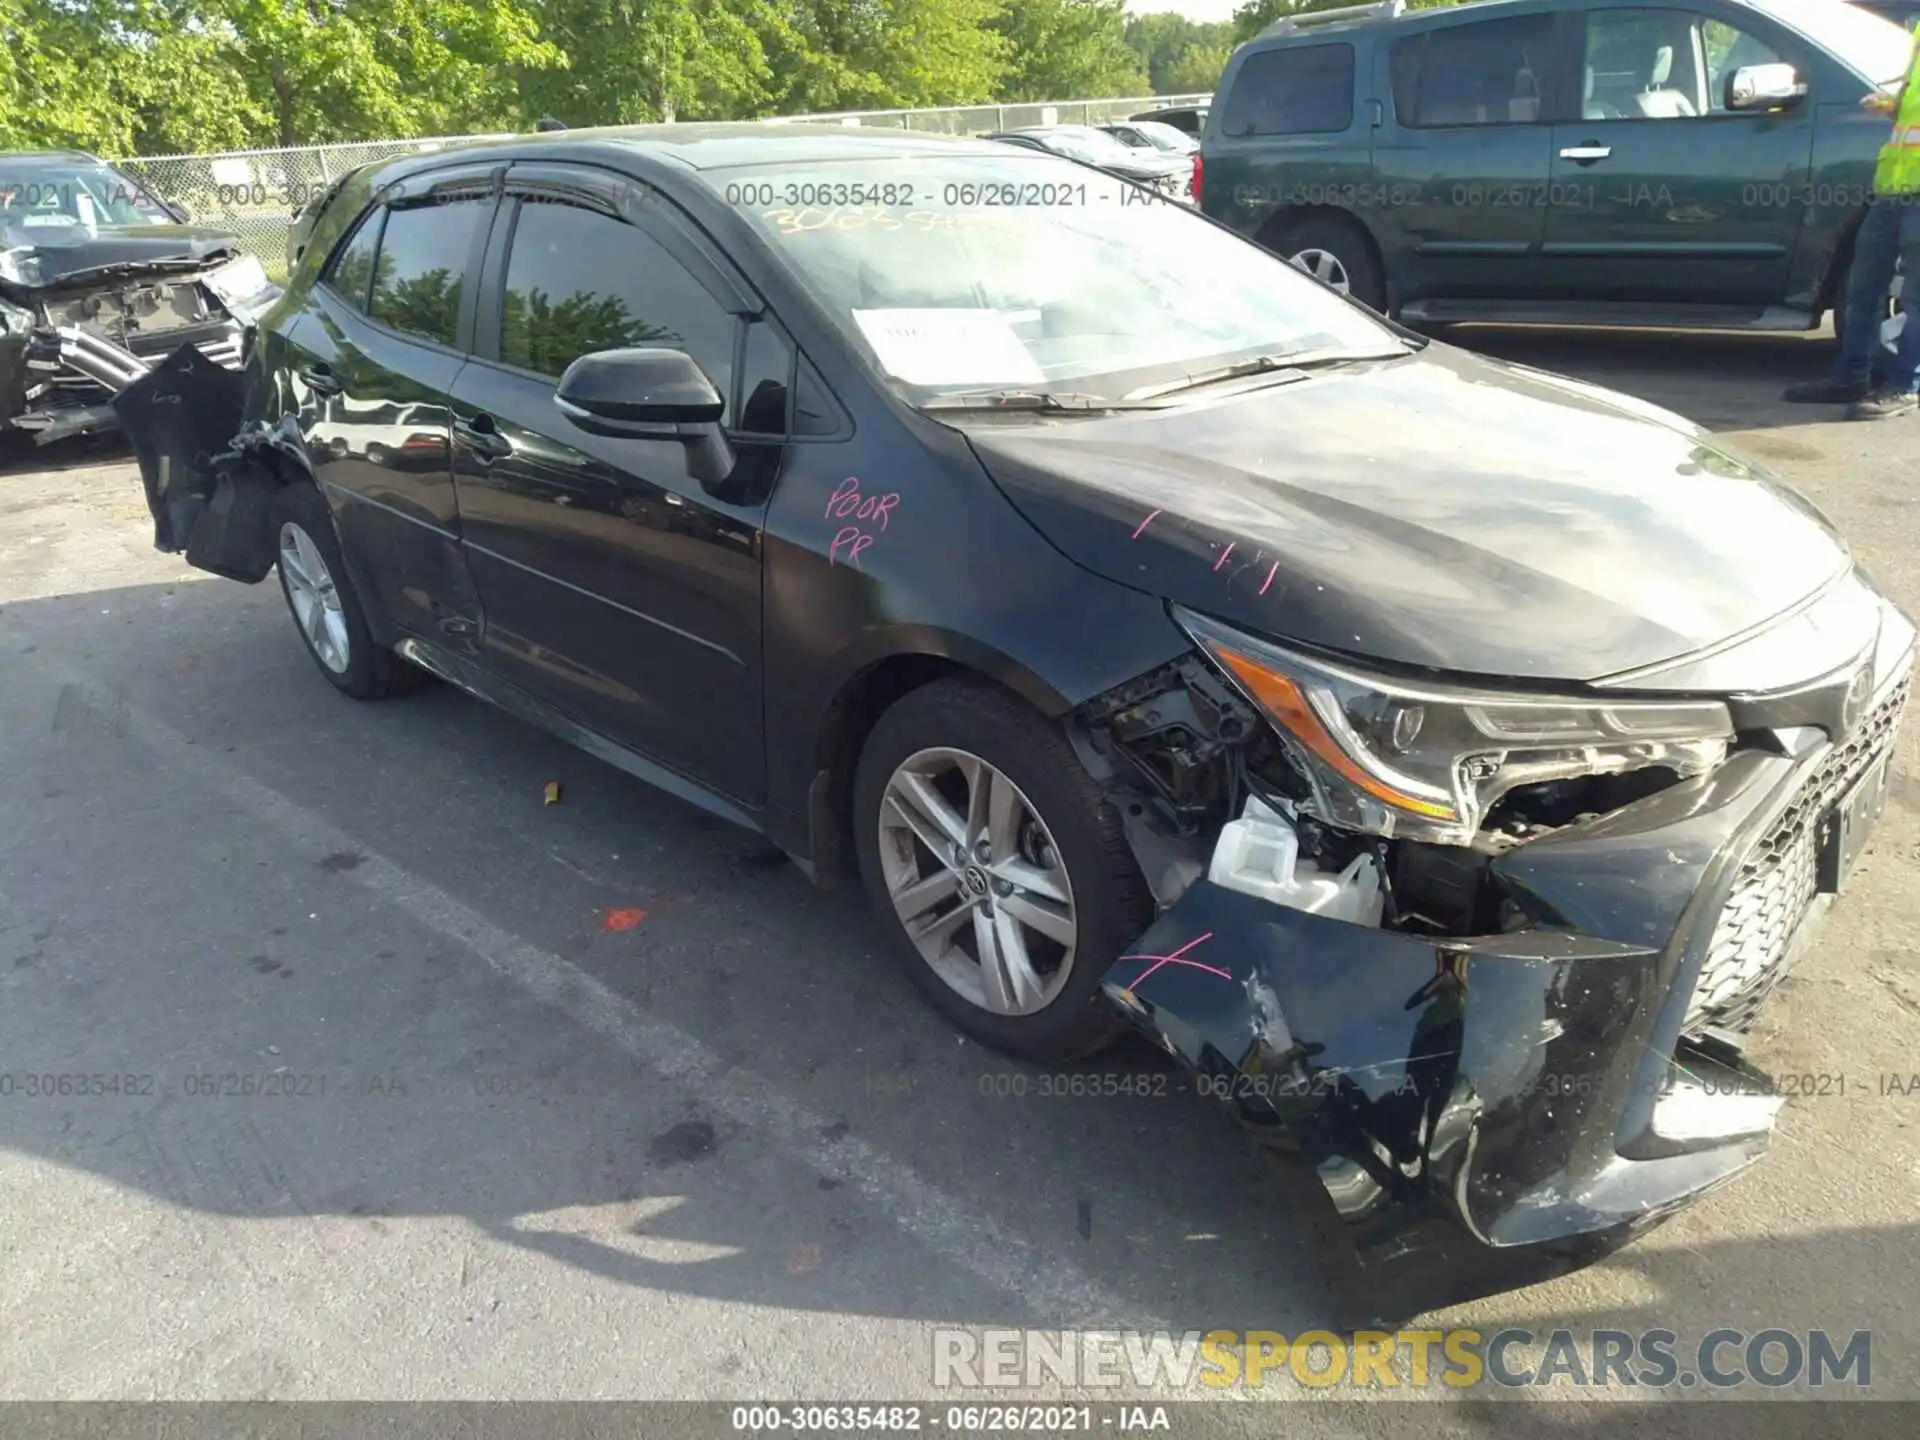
1889 237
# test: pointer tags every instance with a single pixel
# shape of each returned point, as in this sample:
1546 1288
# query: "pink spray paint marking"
1224 554
1174 959
855 539
1271 570
847 501
1138 529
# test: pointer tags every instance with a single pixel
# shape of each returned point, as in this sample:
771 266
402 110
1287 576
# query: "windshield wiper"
1028 400
1298 362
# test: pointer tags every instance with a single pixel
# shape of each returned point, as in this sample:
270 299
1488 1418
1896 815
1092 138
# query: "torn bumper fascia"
1483 1113
39 361
210 477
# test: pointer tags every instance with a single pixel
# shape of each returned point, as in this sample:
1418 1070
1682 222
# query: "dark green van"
1666 163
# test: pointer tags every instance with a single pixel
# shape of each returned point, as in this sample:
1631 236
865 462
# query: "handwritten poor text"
848 503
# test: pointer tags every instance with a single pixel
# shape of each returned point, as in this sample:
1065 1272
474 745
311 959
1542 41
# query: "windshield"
61 196
1030 273
1871 46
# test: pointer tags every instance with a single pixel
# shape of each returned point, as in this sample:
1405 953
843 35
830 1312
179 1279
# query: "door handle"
1586 154
319 378
479 436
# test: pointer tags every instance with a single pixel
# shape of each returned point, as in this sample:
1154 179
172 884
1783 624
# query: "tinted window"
1483 74
352 268
1300 91
425 251
580 281
766 380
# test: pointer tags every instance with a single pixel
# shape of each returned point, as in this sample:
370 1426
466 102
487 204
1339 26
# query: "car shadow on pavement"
213 867
1721 380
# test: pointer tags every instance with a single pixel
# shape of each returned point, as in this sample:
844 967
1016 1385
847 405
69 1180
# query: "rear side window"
1487 73
351 273
1304 90
425 252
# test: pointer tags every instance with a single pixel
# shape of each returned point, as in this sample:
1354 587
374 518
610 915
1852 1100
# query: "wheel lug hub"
983 852
1003 887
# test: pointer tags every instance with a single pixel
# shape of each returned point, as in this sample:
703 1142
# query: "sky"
1192 9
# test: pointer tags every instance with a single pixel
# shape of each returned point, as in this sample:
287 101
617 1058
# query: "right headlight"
1427 761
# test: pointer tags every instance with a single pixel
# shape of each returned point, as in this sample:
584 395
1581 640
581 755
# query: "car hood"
37 259
1440 511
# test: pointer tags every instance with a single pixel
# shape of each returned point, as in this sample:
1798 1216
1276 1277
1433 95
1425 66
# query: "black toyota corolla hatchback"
1441 757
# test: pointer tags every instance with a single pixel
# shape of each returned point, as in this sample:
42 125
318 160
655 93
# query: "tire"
366 671
1069 837
1345 245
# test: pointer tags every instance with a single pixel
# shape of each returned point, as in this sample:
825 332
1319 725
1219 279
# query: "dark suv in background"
1671 163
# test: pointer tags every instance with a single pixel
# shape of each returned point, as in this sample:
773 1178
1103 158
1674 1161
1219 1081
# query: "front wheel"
1001 873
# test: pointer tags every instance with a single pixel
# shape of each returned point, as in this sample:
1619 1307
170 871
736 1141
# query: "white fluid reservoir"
1259 855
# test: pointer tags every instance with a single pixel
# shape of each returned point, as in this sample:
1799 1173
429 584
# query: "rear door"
1462 156
616 587
1662 194
371 363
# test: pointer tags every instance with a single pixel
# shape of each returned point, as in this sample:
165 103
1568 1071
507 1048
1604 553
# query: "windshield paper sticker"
949 347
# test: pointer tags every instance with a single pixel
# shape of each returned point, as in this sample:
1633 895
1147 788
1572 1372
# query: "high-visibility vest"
1898 172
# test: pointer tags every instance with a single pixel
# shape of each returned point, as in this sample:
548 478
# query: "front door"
615 587
1661 193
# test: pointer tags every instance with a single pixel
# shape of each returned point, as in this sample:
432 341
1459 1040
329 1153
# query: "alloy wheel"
977 881
314 598
1325 267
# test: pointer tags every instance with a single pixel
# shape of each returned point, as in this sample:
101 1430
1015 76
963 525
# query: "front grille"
1749 952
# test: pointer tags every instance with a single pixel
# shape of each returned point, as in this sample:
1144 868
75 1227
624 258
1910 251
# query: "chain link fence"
256 193
979 119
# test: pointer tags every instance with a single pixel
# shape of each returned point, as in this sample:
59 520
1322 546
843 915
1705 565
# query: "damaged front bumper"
1489 1112
60 373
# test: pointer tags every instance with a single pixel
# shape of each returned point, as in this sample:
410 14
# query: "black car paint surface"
1372 511
1477 1107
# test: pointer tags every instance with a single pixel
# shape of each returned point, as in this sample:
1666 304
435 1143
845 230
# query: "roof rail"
1384 10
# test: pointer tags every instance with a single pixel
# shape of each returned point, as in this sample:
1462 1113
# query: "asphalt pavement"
426 1088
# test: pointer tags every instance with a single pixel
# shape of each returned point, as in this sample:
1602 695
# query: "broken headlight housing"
1426 761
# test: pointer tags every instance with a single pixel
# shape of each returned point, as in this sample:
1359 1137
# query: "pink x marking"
1174 959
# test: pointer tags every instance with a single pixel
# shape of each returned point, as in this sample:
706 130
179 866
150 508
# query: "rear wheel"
1337 254
325 606
1000 872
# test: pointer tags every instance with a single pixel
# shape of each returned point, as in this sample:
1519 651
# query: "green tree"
1196 71
1162 41
1059 49
322 70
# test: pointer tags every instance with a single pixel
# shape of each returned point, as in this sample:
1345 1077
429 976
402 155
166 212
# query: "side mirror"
649 394
1764 87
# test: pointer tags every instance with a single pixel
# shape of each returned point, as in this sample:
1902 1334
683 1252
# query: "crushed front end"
1495 1003
73 338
